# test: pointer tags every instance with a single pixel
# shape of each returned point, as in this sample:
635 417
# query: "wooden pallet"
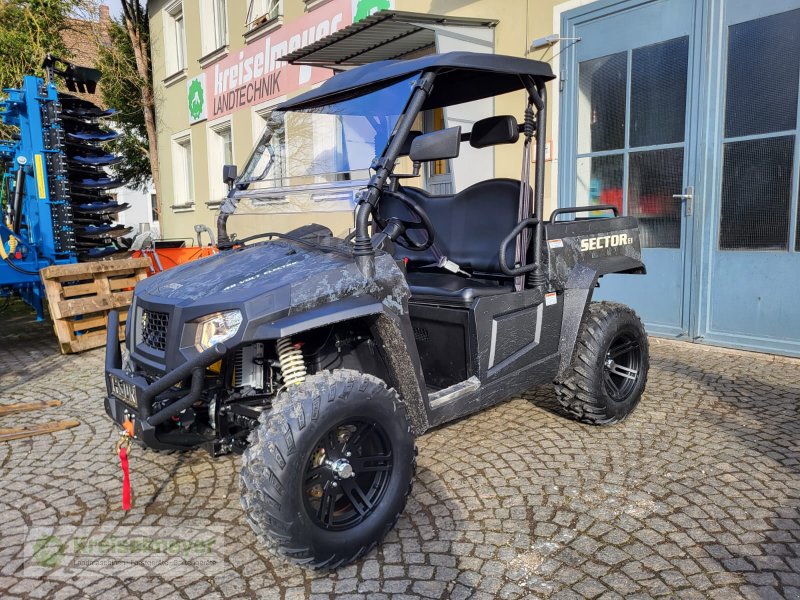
80 296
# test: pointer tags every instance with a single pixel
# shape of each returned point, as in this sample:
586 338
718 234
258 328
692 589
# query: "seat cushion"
452 289
469 226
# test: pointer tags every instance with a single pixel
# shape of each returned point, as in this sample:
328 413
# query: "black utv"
322 357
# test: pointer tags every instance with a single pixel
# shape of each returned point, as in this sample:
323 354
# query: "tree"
127 86
121 90
29 29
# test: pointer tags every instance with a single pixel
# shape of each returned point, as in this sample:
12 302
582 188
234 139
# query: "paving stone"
695 495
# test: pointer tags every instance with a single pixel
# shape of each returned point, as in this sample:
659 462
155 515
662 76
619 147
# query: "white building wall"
141 210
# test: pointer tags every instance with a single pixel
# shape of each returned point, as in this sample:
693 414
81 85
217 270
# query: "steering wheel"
398 228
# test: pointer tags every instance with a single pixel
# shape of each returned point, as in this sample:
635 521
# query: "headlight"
217 328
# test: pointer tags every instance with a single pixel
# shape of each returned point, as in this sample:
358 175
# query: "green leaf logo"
196 99
365 8
49 551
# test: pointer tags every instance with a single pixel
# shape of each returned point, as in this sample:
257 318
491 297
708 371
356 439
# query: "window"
263 11
174 38
761 127
439 176
213 24
182 173
220 148
631 129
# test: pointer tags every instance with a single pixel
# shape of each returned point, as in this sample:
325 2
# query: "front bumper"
142 395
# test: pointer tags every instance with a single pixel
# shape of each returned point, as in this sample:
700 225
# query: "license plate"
123 390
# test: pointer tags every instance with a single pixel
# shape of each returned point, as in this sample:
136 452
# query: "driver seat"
469 227
450 288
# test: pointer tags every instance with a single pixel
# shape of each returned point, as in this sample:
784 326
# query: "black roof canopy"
461 77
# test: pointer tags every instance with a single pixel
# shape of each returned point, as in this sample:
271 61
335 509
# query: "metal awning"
388 34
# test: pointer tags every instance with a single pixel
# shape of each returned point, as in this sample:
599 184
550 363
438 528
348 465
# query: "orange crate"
172 257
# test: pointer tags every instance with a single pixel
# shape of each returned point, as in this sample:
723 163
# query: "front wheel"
329 469
608 373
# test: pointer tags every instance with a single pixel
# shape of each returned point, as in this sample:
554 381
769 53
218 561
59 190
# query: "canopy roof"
461 77
385 35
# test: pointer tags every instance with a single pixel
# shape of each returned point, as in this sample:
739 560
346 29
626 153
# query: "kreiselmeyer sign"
256 73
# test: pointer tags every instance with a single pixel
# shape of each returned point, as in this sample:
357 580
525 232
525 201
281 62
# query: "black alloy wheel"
622 365
329 468
347 474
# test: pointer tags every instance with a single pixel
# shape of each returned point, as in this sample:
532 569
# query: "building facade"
226 52
683 113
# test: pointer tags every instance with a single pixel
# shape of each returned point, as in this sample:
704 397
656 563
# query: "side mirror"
437 145
405 149
229 174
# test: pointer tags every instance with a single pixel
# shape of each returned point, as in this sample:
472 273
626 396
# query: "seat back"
469 226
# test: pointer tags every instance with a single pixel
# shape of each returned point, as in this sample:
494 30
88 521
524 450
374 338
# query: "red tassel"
126 479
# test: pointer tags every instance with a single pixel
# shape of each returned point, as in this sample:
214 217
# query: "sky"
114 5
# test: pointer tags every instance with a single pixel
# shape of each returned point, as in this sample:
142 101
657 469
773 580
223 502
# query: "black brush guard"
144 419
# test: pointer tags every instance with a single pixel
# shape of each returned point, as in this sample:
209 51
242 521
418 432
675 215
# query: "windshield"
333 144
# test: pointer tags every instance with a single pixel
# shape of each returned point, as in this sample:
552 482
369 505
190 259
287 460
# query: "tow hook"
122 448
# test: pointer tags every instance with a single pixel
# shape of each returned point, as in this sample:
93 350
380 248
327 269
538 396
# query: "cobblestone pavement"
697 495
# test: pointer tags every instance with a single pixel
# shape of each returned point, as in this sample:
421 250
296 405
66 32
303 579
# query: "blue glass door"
627 113
749 280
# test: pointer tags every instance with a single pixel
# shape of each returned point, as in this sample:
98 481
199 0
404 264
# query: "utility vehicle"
322 357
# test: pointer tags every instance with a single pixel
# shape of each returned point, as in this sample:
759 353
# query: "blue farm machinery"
55 200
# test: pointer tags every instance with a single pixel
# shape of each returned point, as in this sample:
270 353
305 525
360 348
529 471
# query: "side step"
454 392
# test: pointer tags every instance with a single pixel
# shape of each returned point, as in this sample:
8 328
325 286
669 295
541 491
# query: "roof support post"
537 278
383 165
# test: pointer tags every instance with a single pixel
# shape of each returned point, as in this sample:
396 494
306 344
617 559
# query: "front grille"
154 329
421 334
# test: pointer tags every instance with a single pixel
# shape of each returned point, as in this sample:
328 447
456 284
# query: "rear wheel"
609 369
329 469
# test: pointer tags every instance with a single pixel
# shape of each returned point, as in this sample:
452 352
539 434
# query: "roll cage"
442 80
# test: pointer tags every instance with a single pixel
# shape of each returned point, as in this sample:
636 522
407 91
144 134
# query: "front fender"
320 316
392 332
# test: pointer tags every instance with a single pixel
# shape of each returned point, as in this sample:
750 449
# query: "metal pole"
537 277
363 250
523 240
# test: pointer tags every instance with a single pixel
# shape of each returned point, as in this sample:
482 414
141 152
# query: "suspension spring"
290 357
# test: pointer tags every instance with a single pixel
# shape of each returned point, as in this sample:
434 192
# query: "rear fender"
391 330
578 254
604 245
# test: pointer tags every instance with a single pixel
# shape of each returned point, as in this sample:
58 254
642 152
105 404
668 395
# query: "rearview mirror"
229 174
406 147
437 145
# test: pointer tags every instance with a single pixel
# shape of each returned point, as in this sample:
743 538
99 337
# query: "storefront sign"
364 8
257 74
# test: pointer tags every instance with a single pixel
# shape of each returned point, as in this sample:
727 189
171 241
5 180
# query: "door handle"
688 197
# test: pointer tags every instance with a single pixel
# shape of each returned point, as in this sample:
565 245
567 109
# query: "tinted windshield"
334 143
